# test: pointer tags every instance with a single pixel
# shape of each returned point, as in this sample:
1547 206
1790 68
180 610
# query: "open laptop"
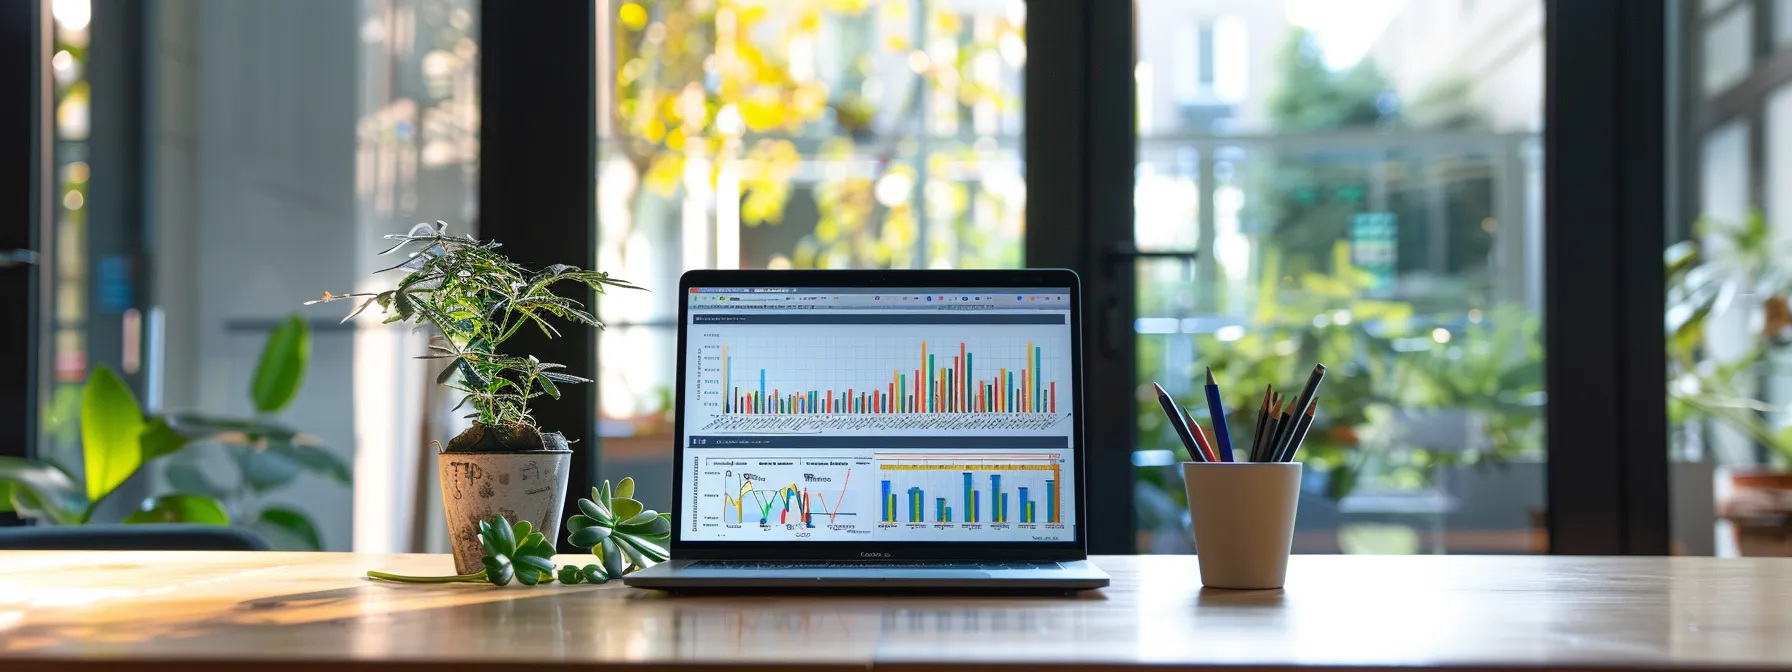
878 429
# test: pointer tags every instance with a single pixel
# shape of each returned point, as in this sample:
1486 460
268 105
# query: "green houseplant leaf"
188 478
284 523
626 538
181 508
38 489
160 439
282 365
111 424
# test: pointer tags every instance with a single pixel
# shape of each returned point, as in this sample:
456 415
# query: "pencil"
1306 399
1300 433
1217 410
1200 436
1269 426
1171 410
1262 418
1283 430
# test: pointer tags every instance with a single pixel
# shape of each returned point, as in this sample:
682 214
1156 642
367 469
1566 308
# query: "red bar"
1054 396
830 402
849 406
889 397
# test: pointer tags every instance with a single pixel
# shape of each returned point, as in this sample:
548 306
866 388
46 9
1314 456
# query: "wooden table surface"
84 611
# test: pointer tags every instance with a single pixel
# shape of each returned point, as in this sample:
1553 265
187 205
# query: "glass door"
1358 185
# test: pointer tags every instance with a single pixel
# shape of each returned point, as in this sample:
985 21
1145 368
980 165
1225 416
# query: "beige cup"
1243 514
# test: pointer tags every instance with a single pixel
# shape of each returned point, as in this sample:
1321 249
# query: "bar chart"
972 488
945 382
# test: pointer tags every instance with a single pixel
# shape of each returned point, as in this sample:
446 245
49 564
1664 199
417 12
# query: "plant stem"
400 578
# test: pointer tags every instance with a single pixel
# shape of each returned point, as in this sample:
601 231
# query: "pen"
1188 440
1217 409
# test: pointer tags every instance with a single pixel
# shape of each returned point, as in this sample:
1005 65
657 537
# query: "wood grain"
76 612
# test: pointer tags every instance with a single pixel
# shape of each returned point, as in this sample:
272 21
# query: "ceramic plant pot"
519 485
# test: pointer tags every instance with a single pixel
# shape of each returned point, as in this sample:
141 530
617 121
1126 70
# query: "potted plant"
1719 368
476 299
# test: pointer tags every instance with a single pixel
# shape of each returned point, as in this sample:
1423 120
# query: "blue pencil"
1217 409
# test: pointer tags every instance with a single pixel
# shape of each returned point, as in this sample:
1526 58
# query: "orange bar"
962 388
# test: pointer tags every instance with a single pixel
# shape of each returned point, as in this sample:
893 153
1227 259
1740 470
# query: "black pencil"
1175 415
1300 433
1262 419
1305 400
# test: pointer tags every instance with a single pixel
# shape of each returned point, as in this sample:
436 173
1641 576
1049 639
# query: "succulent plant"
511 551
624 535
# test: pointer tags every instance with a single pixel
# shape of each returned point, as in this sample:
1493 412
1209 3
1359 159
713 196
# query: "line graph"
792 498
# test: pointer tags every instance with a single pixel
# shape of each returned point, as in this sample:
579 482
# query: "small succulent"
624 535
511 551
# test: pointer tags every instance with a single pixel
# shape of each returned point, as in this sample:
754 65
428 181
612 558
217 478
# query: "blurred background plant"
1388 370
119 440
1735 268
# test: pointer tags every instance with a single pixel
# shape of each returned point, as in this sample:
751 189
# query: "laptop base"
702 575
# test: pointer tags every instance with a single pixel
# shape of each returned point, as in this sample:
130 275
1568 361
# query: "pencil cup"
1243 514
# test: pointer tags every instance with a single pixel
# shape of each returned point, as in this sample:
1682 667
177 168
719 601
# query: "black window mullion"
1604 196
537 182
1080 149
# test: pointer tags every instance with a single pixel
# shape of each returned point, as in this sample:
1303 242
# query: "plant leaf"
315 460
615 562
653 527
502 537
159 439
579 522
264 470
38 488
282 366
646 546
640 518
535 562
111 423
596 574
626 508
635 559
626 487
181 508
594 510
186 477
288 522
521 529
589 537
547 385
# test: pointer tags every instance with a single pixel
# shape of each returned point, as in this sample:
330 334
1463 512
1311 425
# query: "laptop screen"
878 415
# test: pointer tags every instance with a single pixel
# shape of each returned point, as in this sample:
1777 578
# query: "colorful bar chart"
937 385
1002 488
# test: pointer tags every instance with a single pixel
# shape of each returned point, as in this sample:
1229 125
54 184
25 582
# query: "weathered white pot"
525 485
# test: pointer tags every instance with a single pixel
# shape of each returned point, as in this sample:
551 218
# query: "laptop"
878 429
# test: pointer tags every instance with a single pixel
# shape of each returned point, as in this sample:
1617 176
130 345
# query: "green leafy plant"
622 533
511 551
1740 263
477 299
119 440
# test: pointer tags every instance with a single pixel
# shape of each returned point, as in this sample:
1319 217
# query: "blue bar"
888 514
1051 501
976 505
939 510
914 505
970 506
1023 506
998 500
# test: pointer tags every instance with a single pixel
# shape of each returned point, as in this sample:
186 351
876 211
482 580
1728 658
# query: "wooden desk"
77 612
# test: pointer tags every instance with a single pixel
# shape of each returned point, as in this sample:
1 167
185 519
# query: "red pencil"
1200 437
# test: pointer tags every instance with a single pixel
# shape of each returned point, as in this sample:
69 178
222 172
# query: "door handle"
21 257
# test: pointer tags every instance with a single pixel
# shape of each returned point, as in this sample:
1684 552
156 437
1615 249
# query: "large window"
1357 186
751 134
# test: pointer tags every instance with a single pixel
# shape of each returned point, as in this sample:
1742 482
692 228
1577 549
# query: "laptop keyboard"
985 566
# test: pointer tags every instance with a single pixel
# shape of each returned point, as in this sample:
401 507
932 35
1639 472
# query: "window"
743 134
